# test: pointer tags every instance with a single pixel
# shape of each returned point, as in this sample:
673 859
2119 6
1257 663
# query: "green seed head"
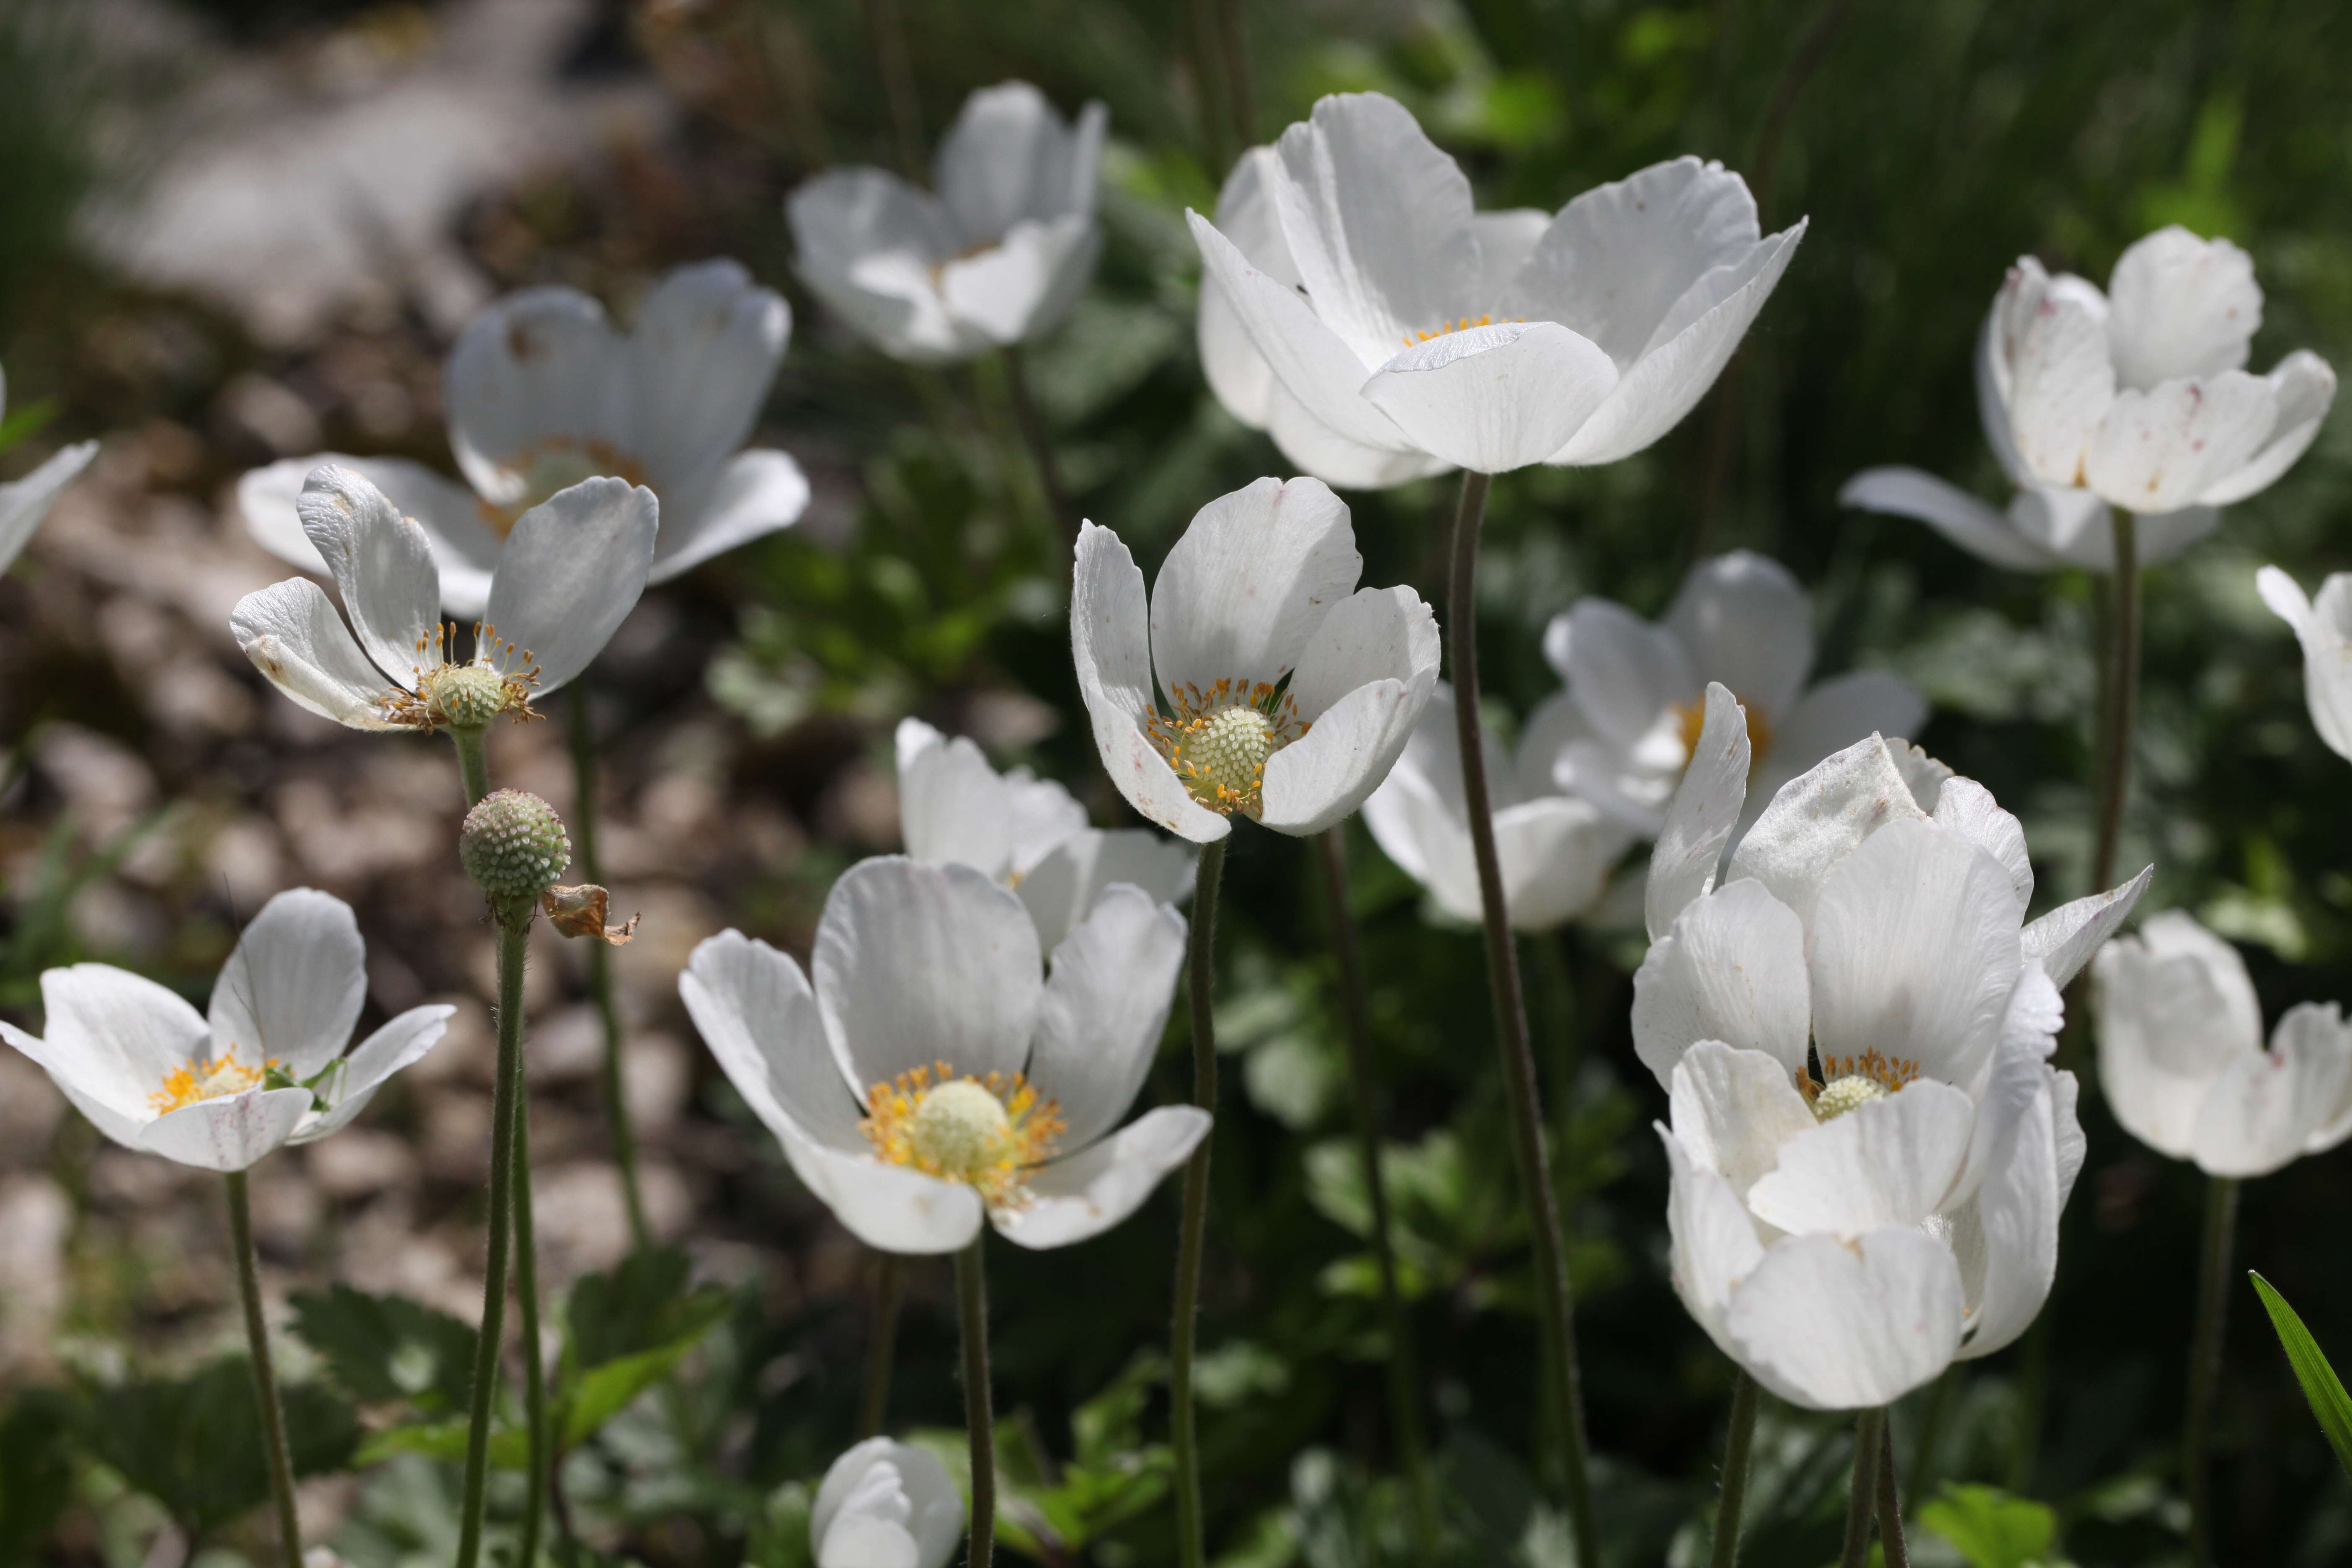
467 696
514 844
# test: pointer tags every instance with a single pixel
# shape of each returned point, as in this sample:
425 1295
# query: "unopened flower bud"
514 844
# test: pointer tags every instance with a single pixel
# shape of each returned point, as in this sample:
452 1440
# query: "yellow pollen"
1848 1082
557 464
983 1132
1221 739
1693 718
1464 325
206 1079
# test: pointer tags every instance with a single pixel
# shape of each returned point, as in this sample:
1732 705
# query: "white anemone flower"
1029 834
2182 1058
1408 333
1870 1150
544 393
1555 850
998 256
1293 692
24 503
934 1076
2325 629
1640 687
267 1067
566 577
2134 398
885 1504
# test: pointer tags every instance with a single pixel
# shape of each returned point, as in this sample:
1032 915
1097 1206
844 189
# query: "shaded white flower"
933 1076
267 1067
1640 687
1555 850
2134 398
24 503
1870 1150
997 257
1294 691
1029 834
2325 629
566 578
1380 329
544 393
884 1504
2182 1058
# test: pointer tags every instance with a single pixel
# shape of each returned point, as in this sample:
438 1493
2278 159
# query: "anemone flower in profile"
24 503
564 580
885 1504
1291 692
2135 398
1028 833
544 393
1382 329
2325 628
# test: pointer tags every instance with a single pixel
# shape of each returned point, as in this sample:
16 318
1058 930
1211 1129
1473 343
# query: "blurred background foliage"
1928 144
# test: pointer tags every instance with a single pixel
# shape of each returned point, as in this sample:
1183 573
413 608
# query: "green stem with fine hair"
2205 1364
514 932
473 765
265 1371
1556 1319
978 1403
890 1285
1890 1502
2123 704
1404 1376
580 726
1861 1498
1192 1551
1732 1501
534 1369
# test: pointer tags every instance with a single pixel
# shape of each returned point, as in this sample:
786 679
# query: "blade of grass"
2329 1404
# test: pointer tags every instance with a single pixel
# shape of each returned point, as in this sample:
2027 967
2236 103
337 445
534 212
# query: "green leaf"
644 1305
2321 1386
603 1392
1990 1528
194 1444
383 1348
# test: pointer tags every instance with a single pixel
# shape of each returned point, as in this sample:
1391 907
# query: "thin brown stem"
540 1458
979 1402
514 937
1191 1549
265 1371
1738 1442
581 730
1890 1502
2205 1364
2116 747
1861 1496
881 1352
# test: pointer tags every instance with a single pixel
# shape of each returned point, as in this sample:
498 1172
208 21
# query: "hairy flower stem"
890 1285
513 938
1405 1374
1059 525
534 1370
1184 1433
581 730
265 1371
1861 1498
2123 687
1557 1319
978 1407
473 766
1890 1502
2205 1363
1733 1500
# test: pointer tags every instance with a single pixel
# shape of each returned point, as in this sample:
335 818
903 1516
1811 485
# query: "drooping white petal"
573 570
2180 306
701 353
1108 627
866 243
1887 1162
231 1133
1556 854
755 493
2317 1034
952 806
1735 1111
2304 386
1743 620
1250 581
1315 782
538 368
464 548
2062 387
2166 1030
2075 528
1062 888
1104 1009
113 1101
1817 820
1705 809
883 1482
1081 1197
1314 447
292 989
2325 629
383 566
1042 816
403 1042
292 633
24 503
1830 1324
1009 156
1978 529
1968 809
2005 1239
1494 398
117 1033
1713 1241
1626 672
2063 940
2162 450
1234 369
1733 969
1839 712
2250 1123
919 964
895 1208
754 1009
1026 285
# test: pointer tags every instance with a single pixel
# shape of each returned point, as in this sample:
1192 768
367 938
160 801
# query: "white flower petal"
538 367
1105 1007
117 1034
1494 398
292 989
1978 529
2063 940
24 503
2305 387
1060 889
1848 1325
292 633
2325 629
894 1208
1374 634
2315 1035
383 566
2162 450
1315 448
914 1493
1042 815
1075 1199
1108 622
754 1009
919 964
1743 620
2005 1239
1735 1111
1009 156
1731 969
1817 820
112 1100
2075 528
1236 371
1248 584
866 242
464 548
403 1042
952 806
573 570
231 1133
1706 808
1713 1241
2170 1022
1024 287
1556 854
2062 387
1836 714
2180 306
756 493
1627 674
1887 1162
2251 1121
1968 809
700 355
1315 782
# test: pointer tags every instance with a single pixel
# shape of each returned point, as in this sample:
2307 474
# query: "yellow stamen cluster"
464 694
1464 325
555 464
1221 739
206 1079
1848 1082
1692 716
983 1132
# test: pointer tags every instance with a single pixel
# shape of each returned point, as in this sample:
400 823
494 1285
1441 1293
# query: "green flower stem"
1404 1375
1890 1502
2205 1364
513 938
1732 1501
2123 687
265 1371
473 766
1556 1319
534 1370
1860 1501
580 727
1034 434
1931 1434
1191 1549
979 1404
889 1286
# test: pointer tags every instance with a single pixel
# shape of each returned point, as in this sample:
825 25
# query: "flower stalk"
1404 1365
514 930
265 1371
889 1286
1860 1501
979 1405
1557 1320
2121 686
539 1459
1890 1502
2205 1363
1732 1501
1183 1436
580 726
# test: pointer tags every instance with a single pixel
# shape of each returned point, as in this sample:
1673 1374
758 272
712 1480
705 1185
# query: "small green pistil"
961 1129
467 696
1221 757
